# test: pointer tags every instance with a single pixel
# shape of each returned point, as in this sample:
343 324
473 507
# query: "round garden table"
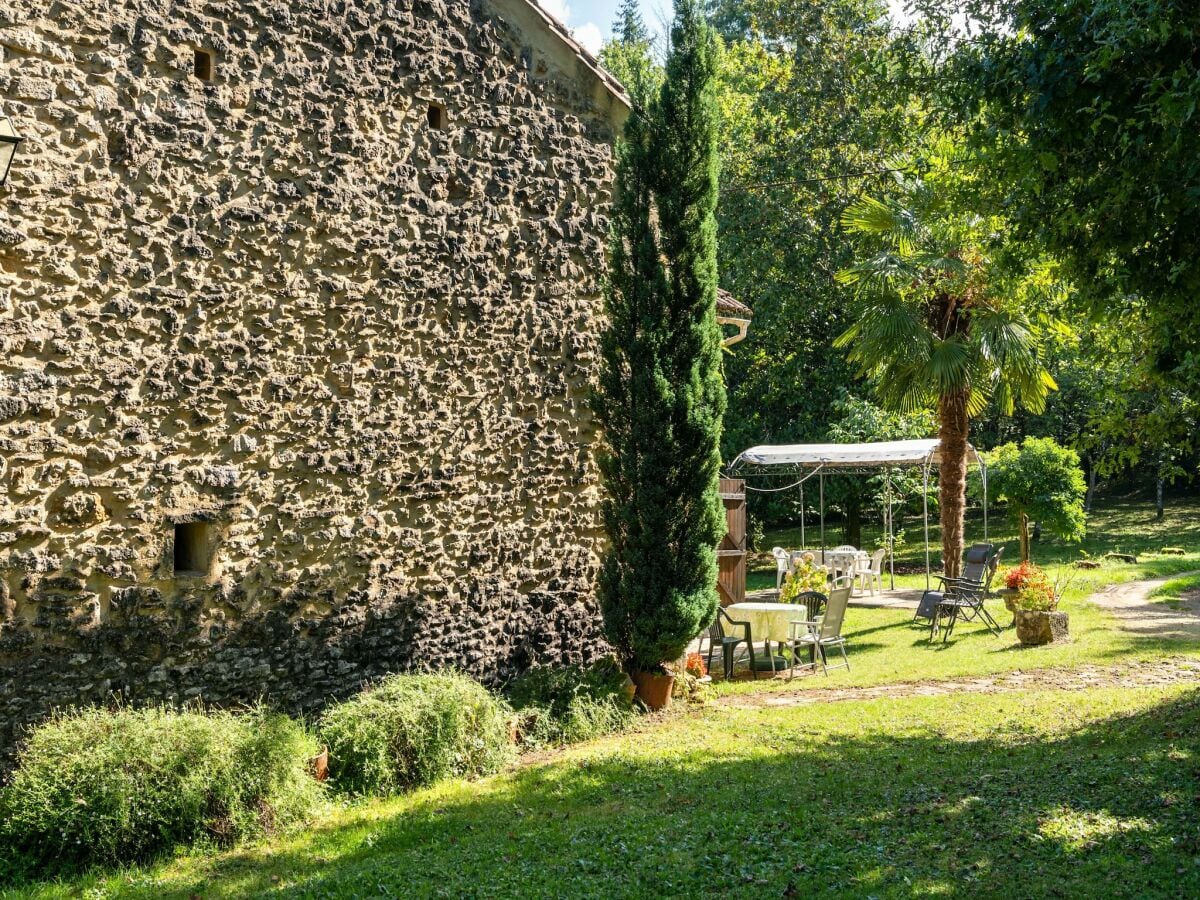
769 621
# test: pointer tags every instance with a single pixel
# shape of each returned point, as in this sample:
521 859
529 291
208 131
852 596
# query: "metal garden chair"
818 635
974 570
965 600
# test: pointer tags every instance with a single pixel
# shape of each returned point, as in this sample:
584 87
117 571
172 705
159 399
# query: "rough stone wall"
354 346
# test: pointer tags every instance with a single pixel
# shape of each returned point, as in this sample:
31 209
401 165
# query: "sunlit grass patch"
1042 794
1172 593
1076 830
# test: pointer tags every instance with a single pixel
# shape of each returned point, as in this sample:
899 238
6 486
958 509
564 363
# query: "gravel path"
1180 670
1131 604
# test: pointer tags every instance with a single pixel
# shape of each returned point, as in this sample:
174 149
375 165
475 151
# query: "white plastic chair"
783 565
842 561
870 576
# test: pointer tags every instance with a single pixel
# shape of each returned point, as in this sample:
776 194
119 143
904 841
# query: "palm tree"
939 323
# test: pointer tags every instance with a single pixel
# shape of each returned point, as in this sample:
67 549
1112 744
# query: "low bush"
567 704
412 730
119 785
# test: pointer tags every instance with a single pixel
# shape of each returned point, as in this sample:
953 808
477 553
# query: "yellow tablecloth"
768 621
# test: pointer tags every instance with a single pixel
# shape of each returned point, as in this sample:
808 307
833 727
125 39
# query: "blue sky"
591 20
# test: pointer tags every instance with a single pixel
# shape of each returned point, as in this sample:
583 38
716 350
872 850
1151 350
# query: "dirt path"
1151 674
1131 604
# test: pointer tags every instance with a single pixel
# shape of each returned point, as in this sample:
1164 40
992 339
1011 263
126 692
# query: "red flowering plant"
1026 572
695 666
1039 594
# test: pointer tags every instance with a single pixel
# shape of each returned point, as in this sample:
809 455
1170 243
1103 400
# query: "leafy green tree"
629 27
941 321
1110 408
629 54
1042 482
661 395
806 96
1086 116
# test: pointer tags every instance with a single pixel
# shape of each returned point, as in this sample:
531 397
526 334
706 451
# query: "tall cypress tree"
661 397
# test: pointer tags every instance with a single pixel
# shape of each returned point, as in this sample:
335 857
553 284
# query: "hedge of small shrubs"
103 785
568 704
413 730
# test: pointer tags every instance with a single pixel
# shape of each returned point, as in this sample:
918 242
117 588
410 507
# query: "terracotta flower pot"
654 688
319 765
1036 627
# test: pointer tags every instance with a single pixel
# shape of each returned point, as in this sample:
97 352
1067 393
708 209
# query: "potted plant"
695 666
1015 579
661 392
1036 612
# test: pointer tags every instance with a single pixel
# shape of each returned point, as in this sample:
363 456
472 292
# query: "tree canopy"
1084 115
1041 481
940 320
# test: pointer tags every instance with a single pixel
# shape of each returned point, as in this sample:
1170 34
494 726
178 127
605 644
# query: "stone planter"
1038 627
1009 595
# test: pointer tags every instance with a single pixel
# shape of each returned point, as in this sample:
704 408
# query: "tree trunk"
952 488
853 529
1091 488
1024 538
1158 499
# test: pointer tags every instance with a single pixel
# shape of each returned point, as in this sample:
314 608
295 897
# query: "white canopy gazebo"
807 460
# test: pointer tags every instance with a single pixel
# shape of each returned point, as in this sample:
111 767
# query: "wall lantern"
8 146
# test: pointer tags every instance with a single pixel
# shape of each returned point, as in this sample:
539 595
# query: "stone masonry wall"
348 338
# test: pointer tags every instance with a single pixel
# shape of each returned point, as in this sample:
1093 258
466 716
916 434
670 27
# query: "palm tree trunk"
953 426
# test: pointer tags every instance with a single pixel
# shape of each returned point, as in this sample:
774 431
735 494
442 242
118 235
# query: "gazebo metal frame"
806 460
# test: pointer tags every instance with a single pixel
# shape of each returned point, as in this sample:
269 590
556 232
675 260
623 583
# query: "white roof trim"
831 456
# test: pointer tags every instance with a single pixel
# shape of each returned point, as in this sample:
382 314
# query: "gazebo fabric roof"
834 456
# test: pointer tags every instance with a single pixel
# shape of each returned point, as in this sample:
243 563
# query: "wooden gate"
731 553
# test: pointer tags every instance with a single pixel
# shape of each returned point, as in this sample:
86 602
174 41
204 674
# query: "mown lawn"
1033 795
1116 525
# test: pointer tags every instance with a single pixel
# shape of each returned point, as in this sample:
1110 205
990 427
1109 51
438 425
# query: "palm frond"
950 364
895 224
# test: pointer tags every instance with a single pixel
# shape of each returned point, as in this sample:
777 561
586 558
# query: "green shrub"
567 704
105 786
412 730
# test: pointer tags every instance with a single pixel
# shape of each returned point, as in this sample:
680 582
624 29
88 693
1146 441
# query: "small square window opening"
191 548
202 66
436 116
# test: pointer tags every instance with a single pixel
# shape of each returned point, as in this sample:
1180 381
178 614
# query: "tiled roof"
728 305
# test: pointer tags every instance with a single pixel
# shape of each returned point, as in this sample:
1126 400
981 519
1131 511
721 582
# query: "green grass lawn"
1032 795
1118 525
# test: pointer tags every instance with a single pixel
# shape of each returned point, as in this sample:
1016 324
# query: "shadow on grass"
1107 808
